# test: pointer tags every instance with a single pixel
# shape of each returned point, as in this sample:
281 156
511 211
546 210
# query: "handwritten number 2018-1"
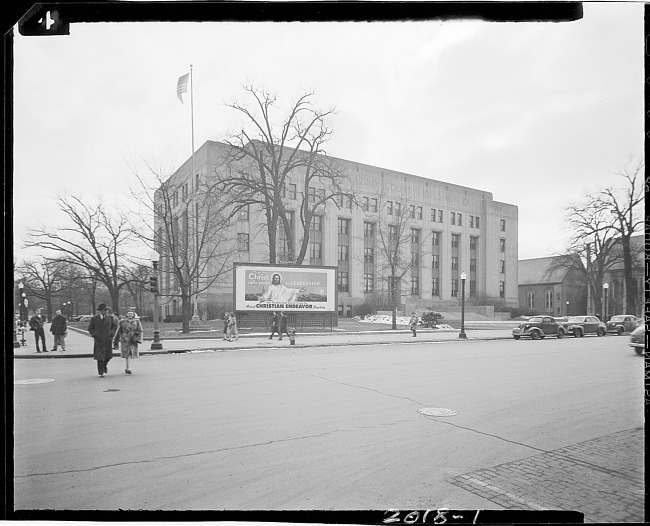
414 516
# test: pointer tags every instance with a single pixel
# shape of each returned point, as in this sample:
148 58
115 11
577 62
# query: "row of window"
548 299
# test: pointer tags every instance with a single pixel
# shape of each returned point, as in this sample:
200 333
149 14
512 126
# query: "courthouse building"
454 229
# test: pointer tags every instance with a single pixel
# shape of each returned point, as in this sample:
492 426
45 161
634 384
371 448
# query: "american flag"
182 86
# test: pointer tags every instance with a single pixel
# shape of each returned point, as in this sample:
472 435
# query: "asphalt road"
318 428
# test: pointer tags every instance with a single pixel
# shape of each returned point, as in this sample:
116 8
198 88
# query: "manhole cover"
437 411
111 390
33 381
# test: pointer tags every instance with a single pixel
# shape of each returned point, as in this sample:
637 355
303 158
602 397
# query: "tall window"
412 211
530 299
242 242
418 212
373 204
344 226
502 267
473 242
454 263
452 219
389 208
502 245
502 289
472 265
315 225
460 219
368 255
369 230
439 216
292 190
368 282
343 282
454 288
365 206
435 239
548 300
392 232
244 214
415 235
455 240
415 285
435 261
435 287
433 215
502 225
343 253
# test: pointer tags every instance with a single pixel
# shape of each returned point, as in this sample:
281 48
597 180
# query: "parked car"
622 323
538 327
581 325
637 339
85 317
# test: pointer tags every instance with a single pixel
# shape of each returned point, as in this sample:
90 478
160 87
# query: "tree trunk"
186 311
630 282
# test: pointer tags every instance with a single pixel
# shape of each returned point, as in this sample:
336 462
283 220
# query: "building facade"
615 278
454 230
545 287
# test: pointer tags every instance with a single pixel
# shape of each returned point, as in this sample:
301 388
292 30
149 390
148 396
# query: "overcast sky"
535 113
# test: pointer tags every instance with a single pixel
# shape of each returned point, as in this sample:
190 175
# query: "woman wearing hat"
102 328
129 335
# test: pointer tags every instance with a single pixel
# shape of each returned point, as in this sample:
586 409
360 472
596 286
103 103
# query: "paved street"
554 424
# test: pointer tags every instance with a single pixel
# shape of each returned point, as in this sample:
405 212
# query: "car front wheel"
560 334
535 335
577 333
620 331
516 337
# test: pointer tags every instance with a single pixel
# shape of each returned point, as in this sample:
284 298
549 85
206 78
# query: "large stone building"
453 228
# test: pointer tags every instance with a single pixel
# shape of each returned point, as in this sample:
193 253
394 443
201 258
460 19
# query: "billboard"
266 288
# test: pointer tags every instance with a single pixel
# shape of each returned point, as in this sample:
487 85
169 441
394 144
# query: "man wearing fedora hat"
102 328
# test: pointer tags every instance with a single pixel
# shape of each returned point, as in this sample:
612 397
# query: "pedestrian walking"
102 328
59 330
413 322
233 332
283 325
275 325
36 324
226 318
128 336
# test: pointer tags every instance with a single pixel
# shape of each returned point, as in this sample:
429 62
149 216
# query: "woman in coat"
102 328
129 335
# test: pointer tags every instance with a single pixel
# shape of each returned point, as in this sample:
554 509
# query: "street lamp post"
567 308
156 344
23 312
606 289
462 334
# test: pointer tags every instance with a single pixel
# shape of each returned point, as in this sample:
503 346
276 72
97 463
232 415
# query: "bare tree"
591 249
264 158
189 233
92 240
399 245
625 206
43 280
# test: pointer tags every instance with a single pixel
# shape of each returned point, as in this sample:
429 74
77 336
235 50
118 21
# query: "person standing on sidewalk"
283 325
413 322
233 332
128 335
226 317
36 324
59 330
102 328
275 325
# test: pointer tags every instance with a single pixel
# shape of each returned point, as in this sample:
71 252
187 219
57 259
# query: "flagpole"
195 315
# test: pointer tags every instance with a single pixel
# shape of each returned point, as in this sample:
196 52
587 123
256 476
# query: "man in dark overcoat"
102 328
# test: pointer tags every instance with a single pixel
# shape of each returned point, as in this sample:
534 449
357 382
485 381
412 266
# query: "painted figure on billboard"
278 292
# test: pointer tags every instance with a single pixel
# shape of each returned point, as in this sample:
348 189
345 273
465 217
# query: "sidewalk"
80 344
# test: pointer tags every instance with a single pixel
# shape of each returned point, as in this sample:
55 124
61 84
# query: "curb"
231 349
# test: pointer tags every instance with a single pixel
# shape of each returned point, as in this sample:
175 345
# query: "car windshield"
535 319
576 319
618 318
